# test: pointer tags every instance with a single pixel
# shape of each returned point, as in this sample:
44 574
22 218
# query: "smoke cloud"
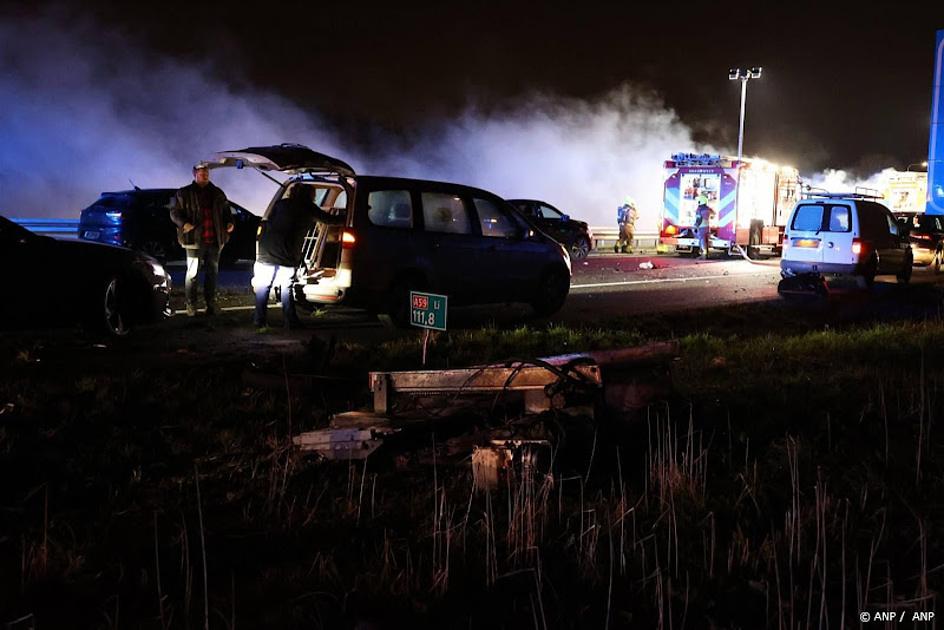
80 119
840 181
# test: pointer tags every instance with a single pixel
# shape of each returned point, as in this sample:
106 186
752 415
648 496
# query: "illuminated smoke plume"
840 181
584 157
79 119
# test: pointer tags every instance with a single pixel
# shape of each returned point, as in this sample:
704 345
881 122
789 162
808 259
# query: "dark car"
927 237
140 219
406 234
575 235
48 283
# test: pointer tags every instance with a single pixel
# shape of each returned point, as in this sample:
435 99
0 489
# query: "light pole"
921 164
736 74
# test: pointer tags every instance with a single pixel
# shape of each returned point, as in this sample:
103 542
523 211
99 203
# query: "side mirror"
565 218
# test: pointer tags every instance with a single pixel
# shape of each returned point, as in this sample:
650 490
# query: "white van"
843 235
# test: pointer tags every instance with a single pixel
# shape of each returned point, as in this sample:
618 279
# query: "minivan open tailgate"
286 158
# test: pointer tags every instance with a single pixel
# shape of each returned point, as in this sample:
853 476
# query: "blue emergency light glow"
935 203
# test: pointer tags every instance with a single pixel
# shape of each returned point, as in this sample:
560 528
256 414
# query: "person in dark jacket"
279 250
204 222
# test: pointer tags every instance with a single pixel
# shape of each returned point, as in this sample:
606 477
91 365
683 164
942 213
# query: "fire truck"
752 201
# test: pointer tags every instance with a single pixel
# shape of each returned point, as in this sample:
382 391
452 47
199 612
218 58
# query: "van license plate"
806 242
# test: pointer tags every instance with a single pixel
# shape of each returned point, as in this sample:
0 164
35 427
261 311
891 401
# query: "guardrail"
68 228
60 228
604 237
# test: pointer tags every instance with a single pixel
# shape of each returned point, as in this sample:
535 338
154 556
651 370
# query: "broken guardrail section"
541 383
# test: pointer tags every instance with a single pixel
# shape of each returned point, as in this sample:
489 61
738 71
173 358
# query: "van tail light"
347 239
857 246
669 230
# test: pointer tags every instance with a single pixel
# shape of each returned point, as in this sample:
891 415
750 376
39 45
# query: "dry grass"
750 500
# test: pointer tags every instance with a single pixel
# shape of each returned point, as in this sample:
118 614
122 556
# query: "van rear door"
839 232
821 232
804 237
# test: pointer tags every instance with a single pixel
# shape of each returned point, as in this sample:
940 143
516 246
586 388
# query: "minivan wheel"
552 292
580 249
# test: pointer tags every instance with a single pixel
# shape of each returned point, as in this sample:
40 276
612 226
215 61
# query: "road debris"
525 459
343 444
409 400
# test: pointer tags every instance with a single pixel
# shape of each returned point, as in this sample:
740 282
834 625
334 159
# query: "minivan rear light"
347 239
857 246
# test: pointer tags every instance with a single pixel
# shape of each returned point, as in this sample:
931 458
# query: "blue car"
139 219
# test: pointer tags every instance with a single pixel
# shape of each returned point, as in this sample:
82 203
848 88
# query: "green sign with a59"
428 310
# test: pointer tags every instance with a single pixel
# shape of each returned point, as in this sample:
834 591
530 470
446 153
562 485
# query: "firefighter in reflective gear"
626 216
703 215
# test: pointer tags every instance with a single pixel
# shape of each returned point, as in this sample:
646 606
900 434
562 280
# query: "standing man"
279 250
204 222
703 214
626 216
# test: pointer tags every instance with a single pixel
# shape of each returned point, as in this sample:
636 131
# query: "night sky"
844 87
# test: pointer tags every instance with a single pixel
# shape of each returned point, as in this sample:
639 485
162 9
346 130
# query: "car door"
551 220
880 234
450 241
837 234
511 264
804 237
897 245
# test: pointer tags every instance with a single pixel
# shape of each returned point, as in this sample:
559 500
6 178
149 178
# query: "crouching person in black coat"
279 250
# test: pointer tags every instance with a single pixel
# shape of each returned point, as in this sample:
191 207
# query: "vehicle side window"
390 208
546 212
840 219
494 222
892 224
444 212
526 209
808 218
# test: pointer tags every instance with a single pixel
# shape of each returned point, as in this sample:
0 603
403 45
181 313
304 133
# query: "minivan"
401 235
845 235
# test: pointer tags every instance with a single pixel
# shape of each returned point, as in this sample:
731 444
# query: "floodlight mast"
737 74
